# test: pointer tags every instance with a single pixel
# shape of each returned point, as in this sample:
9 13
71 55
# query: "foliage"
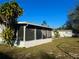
56 33
66 26
10 11
44 23
74 18
7 35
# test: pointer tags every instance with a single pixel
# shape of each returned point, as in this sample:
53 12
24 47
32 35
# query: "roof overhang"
34 25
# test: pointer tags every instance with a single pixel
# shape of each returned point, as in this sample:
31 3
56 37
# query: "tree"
74 18
44 23
9 12
66 26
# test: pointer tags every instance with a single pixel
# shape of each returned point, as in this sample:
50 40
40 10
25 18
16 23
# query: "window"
49 35
20 33
44 33
38 34
29 34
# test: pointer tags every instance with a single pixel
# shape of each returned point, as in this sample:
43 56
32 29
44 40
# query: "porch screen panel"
44 33
38 34
29 34
20 33
49 34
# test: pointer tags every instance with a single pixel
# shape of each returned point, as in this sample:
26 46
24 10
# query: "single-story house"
65 33
29 35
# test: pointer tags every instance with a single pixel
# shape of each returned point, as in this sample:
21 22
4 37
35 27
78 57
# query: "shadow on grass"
45 55
41 55
4 56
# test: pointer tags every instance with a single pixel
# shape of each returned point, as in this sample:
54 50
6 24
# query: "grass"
62 48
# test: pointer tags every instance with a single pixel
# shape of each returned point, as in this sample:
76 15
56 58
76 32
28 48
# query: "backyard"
62 48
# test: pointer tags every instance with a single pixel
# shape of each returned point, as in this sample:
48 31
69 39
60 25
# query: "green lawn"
63 48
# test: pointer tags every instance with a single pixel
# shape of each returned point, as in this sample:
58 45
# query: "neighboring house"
53 34
29 35
65 33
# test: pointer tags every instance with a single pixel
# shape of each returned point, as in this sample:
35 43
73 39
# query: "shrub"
56 33
7 35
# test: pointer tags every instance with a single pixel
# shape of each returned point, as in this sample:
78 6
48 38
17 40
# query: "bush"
56 33
7 35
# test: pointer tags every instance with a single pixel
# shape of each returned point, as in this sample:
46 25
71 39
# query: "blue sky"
54 12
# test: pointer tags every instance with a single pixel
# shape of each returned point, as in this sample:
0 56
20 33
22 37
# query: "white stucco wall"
65 33
2 27
33 43
53 35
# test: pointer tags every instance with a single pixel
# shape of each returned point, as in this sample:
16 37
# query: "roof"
34 24
65 30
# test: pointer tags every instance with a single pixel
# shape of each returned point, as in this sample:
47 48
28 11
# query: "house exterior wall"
65 33
33 43
53 34
2 27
